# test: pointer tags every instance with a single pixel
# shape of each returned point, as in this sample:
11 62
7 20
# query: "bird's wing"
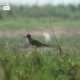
37 43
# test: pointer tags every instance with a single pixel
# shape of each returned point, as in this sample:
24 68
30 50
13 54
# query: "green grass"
39 63
64 40
35 22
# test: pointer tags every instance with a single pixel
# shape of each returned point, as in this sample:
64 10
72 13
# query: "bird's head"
28 36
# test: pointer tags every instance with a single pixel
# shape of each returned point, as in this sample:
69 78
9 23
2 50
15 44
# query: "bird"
34 42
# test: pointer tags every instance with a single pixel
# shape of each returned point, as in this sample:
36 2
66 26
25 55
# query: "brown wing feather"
37 43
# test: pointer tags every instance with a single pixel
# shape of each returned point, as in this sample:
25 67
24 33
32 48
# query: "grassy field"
35 22
34 63
40 63
74 40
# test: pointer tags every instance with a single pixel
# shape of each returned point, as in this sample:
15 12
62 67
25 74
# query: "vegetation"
19 63
74 40
28 16
40 63
34 23
60 11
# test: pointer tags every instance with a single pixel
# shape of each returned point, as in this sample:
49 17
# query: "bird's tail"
45 45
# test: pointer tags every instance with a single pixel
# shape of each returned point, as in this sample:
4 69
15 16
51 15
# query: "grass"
43 63
35 22
39 63
64 40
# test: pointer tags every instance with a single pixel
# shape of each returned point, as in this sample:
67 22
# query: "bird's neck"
29 39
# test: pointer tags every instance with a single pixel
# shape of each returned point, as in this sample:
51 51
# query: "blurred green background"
34 16
23 19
